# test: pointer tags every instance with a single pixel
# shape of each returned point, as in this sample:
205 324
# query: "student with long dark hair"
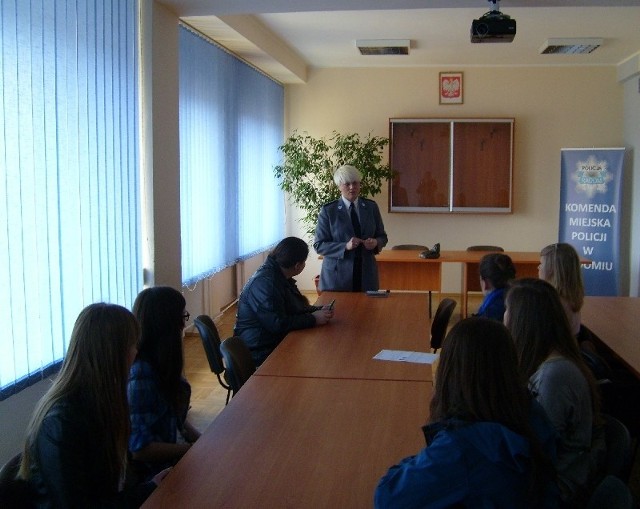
549 357
159 395
76 449
489 443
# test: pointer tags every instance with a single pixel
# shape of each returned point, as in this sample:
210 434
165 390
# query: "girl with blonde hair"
560 266
76 449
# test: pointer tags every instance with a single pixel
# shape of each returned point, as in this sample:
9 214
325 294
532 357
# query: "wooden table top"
299 443
615 321
400 255
518 257
360 328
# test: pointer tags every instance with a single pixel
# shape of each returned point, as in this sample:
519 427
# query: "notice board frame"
451 165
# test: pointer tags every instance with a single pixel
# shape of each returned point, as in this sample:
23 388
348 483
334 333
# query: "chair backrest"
618 440
486 248
410 247
238 362
14 492
441 322
611 493
210 341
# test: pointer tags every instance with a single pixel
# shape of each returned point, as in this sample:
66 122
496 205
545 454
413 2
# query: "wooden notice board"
451 165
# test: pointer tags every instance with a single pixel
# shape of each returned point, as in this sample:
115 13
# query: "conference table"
615 321
405 270
299 443
319 431
362 326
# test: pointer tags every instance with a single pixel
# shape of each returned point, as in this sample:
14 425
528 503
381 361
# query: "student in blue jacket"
488 443
496 270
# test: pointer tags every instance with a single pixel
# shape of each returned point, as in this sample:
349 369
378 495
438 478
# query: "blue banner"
590 208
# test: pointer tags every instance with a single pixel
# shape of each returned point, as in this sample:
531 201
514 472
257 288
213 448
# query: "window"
69 207
231 125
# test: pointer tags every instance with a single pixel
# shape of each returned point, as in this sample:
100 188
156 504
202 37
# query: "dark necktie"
354 221
357 262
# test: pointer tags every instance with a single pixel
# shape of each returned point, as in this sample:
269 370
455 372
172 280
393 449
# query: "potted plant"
306 173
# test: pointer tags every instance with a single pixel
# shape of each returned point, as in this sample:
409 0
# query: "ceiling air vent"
567 46
383 46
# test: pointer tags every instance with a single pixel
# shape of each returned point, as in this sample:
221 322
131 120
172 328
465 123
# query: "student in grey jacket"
560 381
349 234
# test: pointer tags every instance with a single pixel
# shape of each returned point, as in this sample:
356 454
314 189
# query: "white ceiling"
288 38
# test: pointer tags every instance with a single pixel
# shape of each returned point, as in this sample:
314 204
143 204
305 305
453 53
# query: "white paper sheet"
405 356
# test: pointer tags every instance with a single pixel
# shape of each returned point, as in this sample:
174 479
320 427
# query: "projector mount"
494 13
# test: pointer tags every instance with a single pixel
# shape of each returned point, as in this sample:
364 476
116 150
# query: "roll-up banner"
590 208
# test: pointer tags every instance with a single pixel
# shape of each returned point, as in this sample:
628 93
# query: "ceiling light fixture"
383 46
568 46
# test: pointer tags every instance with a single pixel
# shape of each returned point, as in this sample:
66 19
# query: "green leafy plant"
306 173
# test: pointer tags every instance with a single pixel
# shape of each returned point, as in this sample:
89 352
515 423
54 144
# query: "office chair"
14 492
618 440
441 322
238 362
211 343
486 248
611 493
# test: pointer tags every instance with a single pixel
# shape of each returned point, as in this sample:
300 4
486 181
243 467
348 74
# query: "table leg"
463 305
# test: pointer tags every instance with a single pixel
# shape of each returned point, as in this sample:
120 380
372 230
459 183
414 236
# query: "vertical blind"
231 125
69 180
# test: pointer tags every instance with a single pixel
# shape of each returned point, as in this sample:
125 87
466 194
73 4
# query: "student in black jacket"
271 305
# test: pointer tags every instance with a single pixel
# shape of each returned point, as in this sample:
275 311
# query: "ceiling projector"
493 26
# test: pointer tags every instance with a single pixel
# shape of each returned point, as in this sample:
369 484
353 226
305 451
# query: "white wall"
161 156
553 108
15 413
629 74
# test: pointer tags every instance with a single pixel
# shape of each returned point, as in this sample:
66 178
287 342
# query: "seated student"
560 266
158 393
76 448
496 270
489 444
271 305
549 357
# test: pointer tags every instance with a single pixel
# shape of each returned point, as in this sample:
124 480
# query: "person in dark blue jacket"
496 270
489 444
270 305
